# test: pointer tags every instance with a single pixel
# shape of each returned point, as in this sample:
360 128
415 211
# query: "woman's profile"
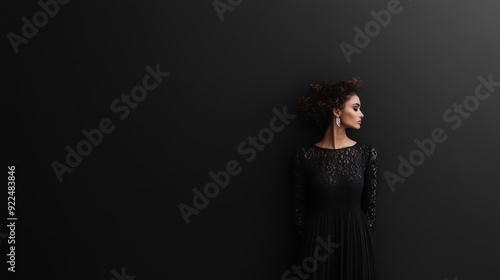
335 187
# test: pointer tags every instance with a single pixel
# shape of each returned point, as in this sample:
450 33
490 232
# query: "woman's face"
350 116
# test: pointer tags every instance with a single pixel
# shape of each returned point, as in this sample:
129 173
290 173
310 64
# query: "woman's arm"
369 196
299 194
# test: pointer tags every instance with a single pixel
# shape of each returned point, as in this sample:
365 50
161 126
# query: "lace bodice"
324 179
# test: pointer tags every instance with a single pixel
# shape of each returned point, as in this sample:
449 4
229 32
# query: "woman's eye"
356 109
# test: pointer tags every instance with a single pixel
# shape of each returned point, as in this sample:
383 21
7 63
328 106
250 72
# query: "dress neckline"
336 149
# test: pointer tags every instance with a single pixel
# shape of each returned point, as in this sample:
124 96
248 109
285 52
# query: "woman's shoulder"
301 150
304 152
365 145
369 149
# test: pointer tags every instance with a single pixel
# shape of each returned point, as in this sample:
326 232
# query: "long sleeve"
369 196
299 193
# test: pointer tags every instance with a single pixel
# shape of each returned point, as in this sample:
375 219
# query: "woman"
335 188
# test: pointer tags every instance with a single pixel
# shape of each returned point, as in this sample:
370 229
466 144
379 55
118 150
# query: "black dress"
334 199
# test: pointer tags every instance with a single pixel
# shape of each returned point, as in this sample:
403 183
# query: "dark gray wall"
118 208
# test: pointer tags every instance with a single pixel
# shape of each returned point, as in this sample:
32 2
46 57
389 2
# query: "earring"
337 121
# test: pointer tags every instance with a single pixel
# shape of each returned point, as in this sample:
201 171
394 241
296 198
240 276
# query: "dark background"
119 207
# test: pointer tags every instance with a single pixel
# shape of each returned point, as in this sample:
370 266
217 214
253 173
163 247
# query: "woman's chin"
355 126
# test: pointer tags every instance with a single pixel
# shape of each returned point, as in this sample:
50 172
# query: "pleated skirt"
336 244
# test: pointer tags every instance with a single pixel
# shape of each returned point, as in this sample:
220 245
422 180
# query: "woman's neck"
335 137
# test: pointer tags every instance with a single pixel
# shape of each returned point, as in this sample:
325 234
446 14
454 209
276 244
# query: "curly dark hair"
319 102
